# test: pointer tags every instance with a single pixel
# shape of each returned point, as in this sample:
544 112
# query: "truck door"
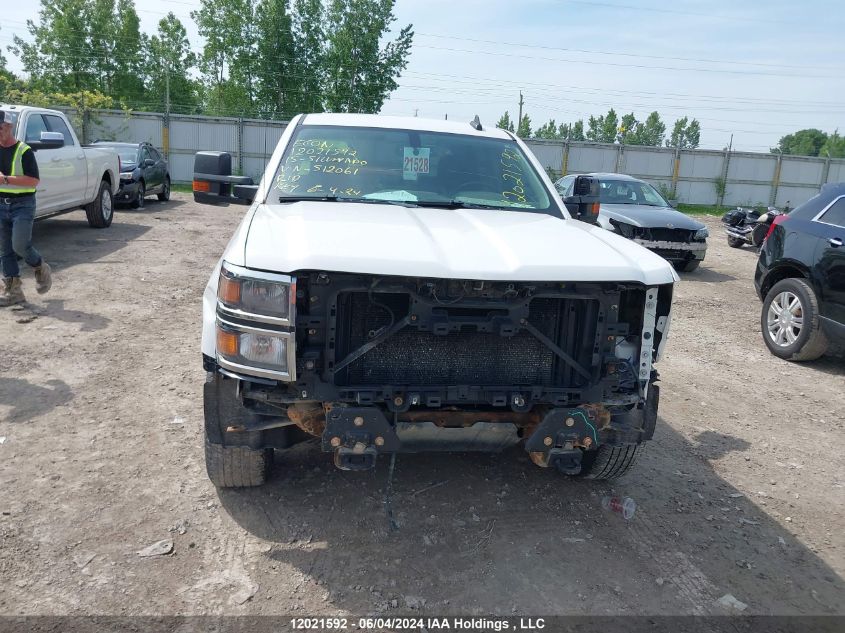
50 185
71 158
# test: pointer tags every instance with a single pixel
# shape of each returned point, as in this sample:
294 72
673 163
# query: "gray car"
635 209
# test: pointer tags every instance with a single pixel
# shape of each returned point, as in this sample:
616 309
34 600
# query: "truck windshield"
343 163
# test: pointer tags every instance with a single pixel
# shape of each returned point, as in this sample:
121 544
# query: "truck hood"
649 217
450 244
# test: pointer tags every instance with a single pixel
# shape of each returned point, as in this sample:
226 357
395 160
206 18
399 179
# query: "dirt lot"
742 490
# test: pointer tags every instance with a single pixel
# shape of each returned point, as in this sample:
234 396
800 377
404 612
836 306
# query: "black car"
801 278
143 172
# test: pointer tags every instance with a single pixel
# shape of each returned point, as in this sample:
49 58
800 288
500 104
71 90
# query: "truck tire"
810 342
232 459
237 466
608 462
101 211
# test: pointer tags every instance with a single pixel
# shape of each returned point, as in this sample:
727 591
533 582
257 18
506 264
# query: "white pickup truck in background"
72 176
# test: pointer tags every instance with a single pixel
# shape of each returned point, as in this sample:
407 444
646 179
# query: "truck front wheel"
101 211
233 459
608 462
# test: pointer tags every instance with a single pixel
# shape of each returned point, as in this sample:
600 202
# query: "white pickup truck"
72 176
409 285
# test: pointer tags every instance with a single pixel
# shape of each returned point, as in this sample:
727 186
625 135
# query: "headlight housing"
702 234
255 319
255 295
126 175
267 353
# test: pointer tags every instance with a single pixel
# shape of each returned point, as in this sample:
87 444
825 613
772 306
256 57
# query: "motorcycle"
748 226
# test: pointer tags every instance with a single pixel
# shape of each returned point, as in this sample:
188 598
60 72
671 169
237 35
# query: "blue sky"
756 69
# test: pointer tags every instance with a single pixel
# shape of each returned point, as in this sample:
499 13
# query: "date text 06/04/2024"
414 623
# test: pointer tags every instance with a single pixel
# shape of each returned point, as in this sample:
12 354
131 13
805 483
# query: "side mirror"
149 162
583 204
48 140
214 183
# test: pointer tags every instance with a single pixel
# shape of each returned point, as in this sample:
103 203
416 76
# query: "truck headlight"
256 295
252 350
702 234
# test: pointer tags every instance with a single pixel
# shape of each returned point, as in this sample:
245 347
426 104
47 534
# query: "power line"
605 63
614 53
639 8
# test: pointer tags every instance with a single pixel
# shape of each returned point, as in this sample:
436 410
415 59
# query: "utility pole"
519 120
165 130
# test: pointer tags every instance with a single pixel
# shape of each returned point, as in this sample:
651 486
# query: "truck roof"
24 108
403 123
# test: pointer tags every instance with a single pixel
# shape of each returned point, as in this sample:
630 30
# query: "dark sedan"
801 278
634 209
143 172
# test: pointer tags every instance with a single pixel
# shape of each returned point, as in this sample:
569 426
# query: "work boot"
12 293
43 279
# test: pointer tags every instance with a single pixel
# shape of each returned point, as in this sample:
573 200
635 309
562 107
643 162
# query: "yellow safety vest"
17 170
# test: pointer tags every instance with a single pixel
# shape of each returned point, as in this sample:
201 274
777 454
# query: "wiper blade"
309 199
458 204
343 199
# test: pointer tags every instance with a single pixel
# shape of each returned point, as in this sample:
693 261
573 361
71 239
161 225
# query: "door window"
835 214
34 126
57 124
154 154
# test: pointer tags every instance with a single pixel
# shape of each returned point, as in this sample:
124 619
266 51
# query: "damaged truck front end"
385 364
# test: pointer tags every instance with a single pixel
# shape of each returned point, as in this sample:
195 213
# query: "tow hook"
559 438
356 435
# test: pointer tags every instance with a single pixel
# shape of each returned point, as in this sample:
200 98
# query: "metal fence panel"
550 155
794 195
801 170
651 164
745 194
696 192
744 168
837 171
587 158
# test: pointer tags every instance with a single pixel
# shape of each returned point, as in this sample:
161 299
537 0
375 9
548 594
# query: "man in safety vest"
18 179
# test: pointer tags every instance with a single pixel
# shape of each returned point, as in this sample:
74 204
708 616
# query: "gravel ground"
741 491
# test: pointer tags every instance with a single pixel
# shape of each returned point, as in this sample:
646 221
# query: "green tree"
361 72
275 68
834 146
572 131
308 70
627 130
548 130
170 59
807 142
505 123
228 57
59 56
603 129
128 48
651 131
686 134
523 130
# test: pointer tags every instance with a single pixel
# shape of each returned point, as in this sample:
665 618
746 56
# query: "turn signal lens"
229 290
202 186
227 343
